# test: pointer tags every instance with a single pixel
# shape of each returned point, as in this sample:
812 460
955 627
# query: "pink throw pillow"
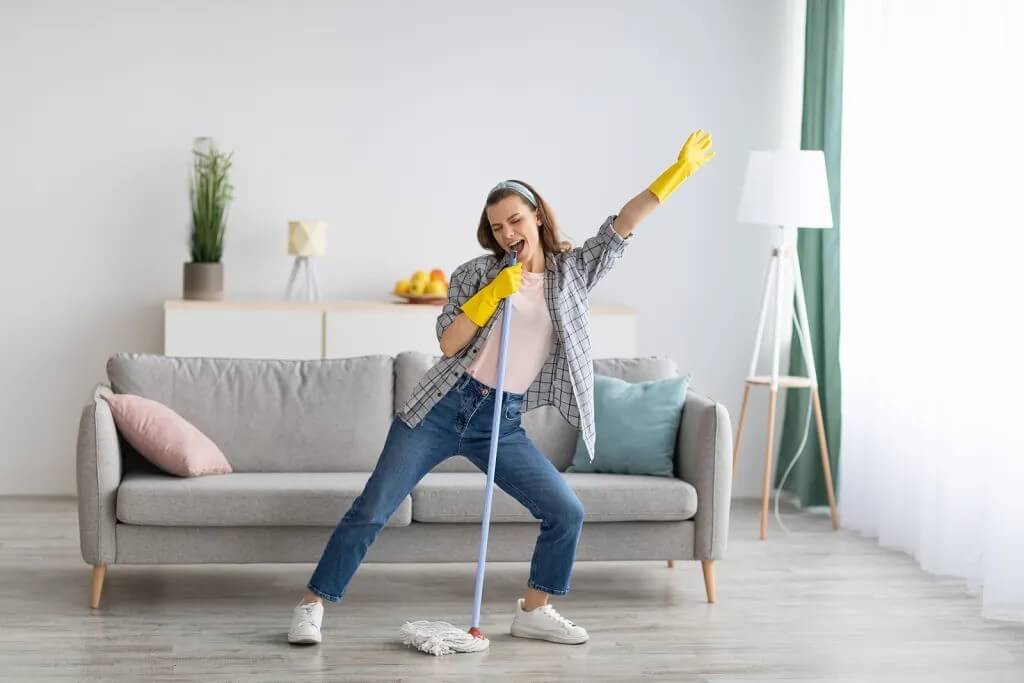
164 437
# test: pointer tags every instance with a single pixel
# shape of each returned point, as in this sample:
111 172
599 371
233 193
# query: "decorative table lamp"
306 239
785 188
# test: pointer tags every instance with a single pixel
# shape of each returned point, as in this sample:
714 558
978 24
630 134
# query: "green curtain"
819 263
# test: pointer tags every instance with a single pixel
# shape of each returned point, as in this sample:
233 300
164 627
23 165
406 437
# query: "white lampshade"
786 188
307 238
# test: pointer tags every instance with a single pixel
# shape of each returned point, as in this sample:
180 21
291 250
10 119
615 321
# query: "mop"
440 637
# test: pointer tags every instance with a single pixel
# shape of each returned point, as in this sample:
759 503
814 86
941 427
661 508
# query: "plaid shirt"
567 379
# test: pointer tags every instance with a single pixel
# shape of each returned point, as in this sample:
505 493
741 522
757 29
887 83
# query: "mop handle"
492 457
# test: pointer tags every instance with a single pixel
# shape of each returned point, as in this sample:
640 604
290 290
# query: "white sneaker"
545 623
306 620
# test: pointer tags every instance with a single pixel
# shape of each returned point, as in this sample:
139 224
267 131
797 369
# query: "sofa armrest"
704 459
98 465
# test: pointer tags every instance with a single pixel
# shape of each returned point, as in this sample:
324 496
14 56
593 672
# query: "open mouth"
518 246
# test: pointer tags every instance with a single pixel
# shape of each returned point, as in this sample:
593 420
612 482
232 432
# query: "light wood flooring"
818 605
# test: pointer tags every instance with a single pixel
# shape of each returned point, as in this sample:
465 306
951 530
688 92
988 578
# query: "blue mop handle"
492 458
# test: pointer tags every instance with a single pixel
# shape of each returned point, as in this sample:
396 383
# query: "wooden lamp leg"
99 571
823 448
808 354
766 492
739 429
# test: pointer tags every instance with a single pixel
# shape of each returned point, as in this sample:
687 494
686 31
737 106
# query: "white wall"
391 123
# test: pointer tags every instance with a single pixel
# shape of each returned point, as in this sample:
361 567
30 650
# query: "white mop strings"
440 638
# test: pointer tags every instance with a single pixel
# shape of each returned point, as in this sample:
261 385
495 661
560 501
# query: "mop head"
441 638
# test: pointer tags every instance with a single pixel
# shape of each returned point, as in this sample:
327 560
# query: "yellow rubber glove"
482 305
695 153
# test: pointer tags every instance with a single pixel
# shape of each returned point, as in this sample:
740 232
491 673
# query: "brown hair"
550 237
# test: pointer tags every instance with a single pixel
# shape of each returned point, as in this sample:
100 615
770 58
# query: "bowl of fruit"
423 288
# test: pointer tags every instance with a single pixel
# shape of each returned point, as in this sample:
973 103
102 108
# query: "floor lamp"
785 188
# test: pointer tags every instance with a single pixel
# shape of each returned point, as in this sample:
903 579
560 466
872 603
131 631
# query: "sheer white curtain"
932 281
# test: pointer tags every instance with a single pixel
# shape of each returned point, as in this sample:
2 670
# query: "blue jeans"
459 424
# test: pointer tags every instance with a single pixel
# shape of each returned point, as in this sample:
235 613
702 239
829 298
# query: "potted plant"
210 193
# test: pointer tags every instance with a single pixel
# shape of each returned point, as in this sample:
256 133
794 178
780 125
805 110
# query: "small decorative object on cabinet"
210 193
306 239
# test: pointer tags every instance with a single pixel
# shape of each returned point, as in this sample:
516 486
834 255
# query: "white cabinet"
241 332
381 328
253 328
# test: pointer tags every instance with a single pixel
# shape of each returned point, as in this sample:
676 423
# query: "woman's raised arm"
696 152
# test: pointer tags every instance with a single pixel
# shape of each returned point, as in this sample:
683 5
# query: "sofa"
302 437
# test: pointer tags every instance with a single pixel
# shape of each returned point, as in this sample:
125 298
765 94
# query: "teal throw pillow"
636 423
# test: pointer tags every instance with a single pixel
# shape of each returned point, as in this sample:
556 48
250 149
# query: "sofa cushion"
637 426
244 499
164 438
328 415
459 497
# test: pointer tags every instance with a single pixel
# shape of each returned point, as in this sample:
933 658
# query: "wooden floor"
815 606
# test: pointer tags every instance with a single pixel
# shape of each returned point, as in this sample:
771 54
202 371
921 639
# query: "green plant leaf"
209 194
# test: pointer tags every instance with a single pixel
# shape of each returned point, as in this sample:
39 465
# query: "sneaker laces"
550 610
307 614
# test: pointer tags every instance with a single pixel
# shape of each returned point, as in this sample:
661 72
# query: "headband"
516 187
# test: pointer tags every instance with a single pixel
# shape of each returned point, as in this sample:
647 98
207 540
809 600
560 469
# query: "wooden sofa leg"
99 571
671 563
708 566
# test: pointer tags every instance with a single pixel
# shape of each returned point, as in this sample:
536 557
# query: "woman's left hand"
696 152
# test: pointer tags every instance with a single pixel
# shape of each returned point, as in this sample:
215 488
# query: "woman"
451 409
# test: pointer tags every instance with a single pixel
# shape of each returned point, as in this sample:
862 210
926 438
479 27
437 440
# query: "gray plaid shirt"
567 379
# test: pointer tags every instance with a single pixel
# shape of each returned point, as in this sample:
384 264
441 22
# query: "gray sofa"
302 438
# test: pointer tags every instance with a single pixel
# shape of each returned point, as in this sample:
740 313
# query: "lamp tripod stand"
783 256
304 265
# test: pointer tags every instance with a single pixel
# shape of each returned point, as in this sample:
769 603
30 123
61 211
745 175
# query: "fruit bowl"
423 288
422 299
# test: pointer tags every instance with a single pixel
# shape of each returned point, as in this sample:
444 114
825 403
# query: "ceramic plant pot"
204 281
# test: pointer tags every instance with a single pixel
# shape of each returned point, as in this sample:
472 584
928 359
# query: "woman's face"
513 221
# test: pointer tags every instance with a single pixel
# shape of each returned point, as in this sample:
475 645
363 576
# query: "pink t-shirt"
529 344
